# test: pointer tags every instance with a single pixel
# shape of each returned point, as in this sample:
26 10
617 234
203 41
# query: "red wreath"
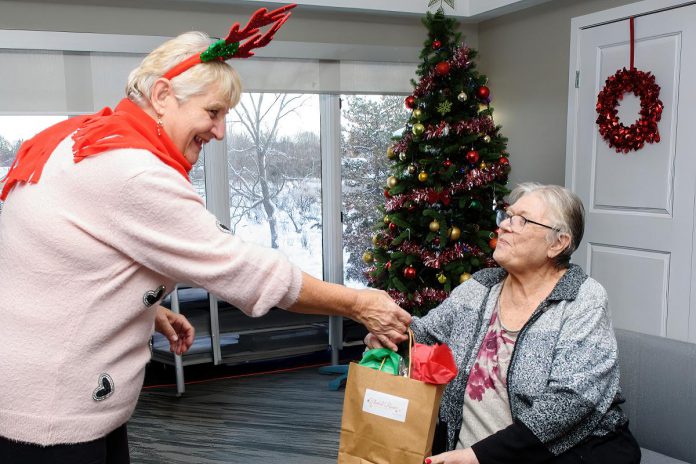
643 86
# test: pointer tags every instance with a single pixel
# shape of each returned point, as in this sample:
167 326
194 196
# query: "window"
14 130
197 175
368 123
274 167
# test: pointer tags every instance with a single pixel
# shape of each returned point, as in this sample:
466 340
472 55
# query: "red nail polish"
427 461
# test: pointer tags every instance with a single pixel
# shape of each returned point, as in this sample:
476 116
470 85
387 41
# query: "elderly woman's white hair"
565 211
194 81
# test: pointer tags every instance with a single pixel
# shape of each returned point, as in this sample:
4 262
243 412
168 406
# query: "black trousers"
111 449
619 447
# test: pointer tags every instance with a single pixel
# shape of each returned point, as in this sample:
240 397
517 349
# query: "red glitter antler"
251 31
231 46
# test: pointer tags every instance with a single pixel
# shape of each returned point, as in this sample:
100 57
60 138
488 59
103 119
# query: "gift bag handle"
411 343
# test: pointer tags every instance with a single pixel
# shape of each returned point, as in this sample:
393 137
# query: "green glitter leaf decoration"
219 49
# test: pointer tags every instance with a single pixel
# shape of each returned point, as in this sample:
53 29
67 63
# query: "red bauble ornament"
447 163
410 102
442 68
493 242
387 265
436 44
483 92
410 273
386 193
634 137
503 161
472 156
392 226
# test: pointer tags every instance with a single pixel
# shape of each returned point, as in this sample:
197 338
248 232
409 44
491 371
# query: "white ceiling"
465 10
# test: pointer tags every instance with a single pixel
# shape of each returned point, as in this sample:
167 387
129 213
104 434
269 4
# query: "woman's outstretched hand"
460 456
385 320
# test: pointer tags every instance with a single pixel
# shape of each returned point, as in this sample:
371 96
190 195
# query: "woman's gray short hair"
565 211
193 81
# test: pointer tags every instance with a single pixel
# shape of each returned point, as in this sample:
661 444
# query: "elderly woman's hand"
372 342
176 328
385 320
460 456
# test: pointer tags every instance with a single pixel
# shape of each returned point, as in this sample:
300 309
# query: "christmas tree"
448 172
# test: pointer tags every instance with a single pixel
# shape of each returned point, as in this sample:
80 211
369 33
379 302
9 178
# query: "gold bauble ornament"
402 156
434 226
418 129
464 277
392 181
412 169
423 176
375 239
391 154
487 138
483 165
442 278
454 233
417 114
367 257
386 219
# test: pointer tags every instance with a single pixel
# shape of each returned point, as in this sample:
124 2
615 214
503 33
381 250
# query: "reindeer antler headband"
231 46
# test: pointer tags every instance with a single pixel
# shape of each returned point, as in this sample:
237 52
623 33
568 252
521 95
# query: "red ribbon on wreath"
642 85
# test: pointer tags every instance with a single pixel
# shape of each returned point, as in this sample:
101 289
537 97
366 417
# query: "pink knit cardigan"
84 255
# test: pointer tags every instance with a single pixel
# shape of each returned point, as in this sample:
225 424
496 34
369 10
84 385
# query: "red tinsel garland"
642 85
459 60
402 145
474 178
438 259
426 294
480 125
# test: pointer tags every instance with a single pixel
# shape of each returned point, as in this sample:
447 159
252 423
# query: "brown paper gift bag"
387 419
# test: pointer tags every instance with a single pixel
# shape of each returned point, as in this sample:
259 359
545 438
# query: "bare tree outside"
275 176
8 150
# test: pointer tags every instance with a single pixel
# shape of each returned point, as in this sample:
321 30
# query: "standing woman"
99 222
538 374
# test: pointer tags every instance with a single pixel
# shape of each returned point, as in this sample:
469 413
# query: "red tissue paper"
432 364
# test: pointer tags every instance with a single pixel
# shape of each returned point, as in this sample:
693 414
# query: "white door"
640 235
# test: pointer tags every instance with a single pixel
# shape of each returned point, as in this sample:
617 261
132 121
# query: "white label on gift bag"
385 405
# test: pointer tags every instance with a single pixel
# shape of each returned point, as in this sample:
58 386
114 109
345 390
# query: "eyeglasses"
517 222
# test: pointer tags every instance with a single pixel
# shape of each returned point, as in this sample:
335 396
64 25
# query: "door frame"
578 24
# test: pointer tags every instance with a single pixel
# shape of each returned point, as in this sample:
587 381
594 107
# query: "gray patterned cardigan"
563 378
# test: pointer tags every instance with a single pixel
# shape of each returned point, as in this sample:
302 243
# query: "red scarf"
128 126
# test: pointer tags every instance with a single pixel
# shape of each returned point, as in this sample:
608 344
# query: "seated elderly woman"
539 378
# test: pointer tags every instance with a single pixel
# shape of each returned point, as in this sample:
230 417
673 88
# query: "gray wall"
169 18
526 57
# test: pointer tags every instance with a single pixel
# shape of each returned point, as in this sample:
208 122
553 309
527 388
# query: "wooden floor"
285 417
